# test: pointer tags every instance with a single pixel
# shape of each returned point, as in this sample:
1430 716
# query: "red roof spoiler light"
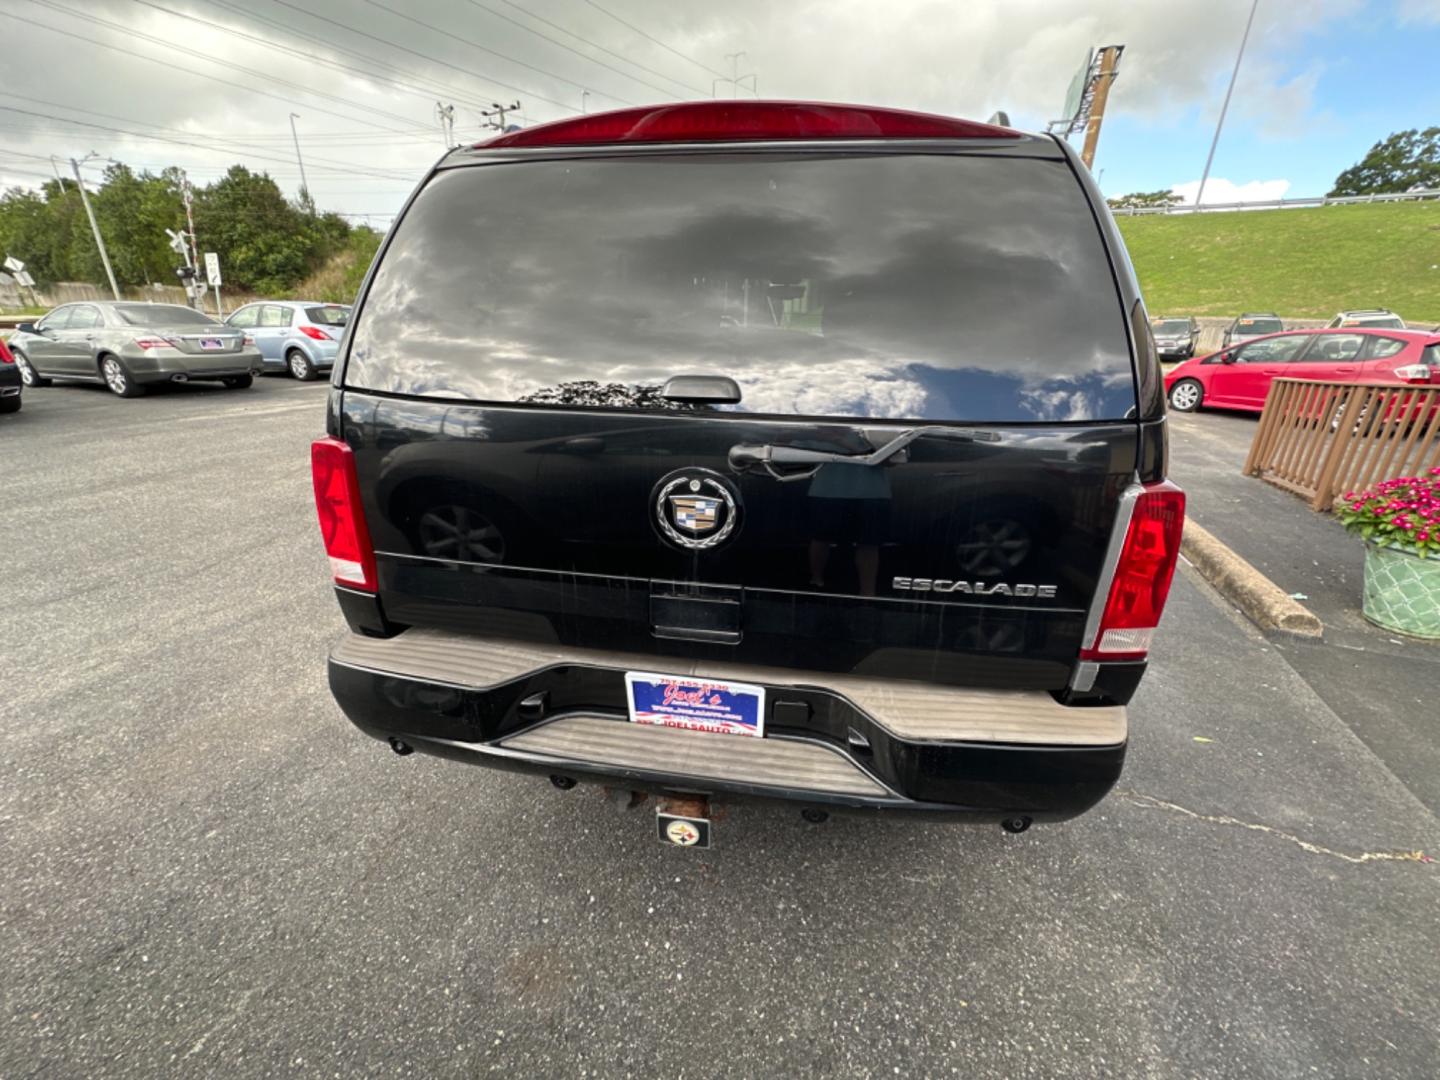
733 121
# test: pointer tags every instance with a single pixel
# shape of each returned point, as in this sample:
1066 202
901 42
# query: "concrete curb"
1266 604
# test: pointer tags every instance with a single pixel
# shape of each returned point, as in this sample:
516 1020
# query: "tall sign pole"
95 228
1109 57
1205 176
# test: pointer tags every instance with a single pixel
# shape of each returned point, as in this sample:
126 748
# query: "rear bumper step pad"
919 712
771 762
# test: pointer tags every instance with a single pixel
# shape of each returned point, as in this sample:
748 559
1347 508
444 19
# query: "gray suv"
127 345
1175 338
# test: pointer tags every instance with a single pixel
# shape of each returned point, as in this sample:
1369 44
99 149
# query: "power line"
571 48
391 45
652 37
367 73
476 45
602 48
367 60
184 142
221 141
170 64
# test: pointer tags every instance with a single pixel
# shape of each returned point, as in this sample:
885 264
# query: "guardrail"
1283 204
1321 439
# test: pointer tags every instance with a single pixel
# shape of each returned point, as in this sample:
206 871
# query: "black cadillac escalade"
754 449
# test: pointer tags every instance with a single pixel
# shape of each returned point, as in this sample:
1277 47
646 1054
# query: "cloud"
963 59
1220 190
1424 12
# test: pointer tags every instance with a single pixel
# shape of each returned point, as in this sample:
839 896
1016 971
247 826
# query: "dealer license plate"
695 704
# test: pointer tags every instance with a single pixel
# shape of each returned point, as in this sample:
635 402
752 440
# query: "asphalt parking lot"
204 870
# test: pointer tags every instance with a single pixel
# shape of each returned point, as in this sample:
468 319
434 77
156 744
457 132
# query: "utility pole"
734 59
446 113
304 187
495 116
55 168
1109 57
584 102
1205 176
94 227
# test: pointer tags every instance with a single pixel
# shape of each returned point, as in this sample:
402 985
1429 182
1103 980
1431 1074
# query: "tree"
265 243
133 213
1407 160
1143 200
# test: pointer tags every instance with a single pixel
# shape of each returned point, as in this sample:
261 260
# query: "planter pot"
1402 591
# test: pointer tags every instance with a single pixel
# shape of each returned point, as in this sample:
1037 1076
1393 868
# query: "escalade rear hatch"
867 407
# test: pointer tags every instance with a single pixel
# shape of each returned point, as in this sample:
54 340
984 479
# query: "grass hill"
1303 263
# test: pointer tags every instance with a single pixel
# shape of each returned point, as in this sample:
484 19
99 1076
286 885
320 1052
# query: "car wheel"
118 378
238 382
1186 395
28 375
10 404
300 366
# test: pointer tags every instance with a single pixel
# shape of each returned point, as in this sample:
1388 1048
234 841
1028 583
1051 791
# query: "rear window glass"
897 286
162 315
333 315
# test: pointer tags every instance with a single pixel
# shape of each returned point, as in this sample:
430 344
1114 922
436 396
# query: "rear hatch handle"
746 456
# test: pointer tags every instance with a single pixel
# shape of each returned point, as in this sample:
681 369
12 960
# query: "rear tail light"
315 333
1414 373
1142 576
153 343
703 121
246 339
6 357
342 518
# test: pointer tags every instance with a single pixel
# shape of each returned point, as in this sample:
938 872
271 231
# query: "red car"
1239 377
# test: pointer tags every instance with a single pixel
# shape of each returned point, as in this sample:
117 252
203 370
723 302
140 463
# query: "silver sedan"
127 345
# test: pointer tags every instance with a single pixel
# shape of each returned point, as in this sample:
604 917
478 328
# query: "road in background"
204 870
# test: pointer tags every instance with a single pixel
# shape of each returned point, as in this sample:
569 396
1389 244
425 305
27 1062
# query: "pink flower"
1422 536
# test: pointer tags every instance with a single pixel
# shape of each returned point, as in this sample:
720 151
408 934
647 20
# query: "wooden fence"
1322 439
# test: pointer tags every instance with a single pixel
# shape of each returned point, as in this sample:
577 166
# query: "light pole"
1205 176
95 228
304 187
584 102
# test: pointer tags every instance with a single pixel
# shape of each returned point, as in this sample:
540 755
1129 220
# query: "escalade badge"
695 509
973 588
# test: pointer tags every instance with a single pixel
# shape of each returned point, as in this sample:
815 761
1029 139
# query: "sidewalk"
1383 685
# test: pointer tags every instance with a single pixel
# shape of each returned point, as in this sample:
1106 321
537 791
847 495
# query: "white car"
1375 318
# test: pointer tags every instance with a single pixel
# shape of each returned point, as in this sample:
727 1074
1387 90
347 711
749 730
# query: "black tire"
28 375
238 382
1188 399
10 404
300 367
117 377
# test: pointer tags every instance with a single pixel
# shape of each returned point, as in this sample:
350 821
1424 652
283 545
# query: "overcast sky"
1316 89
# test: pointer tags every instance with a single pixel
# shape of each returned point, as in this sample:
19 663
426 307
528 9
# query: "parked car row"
1176 338
1238 377
129 345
